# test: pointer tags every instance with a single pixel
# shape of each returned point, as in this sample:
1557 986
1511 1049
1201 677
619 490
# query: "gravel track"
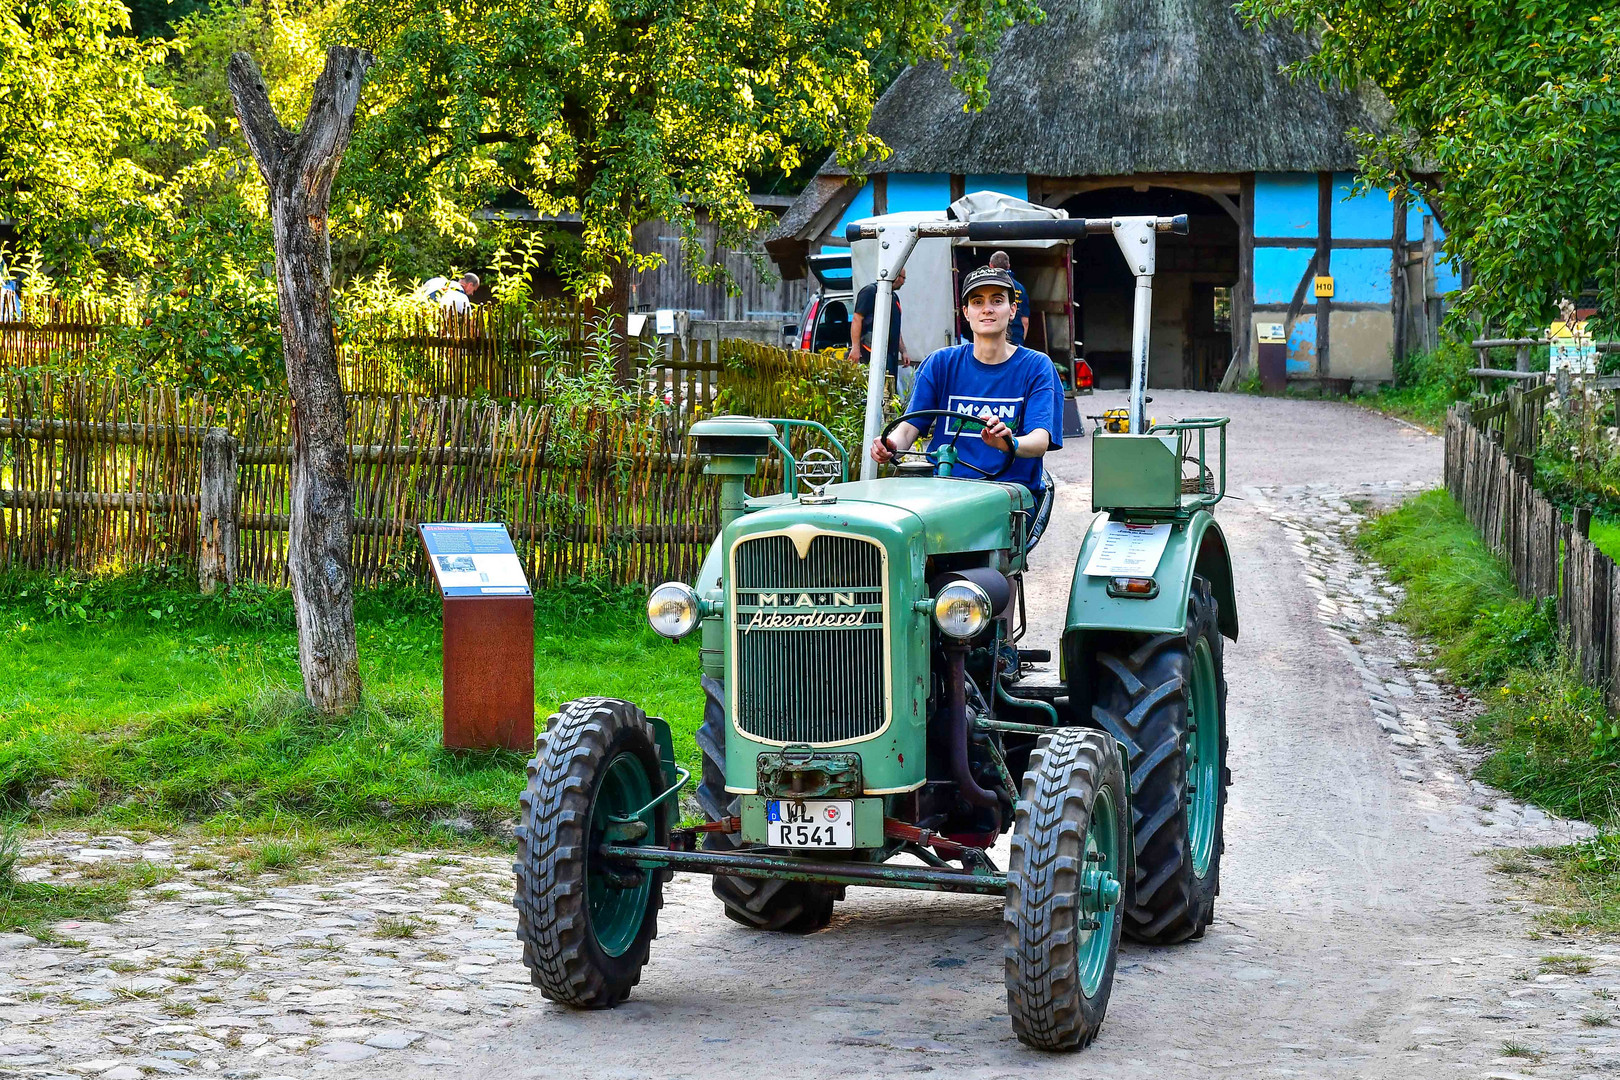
1361 931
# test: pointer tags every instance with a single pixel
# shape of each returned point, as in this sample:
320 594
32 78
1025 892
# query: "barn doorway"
1190 344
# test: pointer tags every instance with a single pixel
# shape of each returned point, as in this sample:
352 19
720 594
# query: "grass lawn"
141 705
1551 740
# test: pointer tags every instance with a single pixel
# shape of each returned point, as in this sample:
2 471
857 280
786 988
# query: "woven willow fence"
502 353
1488 472
95 476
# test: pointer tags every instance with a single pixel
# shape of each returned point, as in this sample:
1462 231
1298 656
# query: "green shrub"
1552 741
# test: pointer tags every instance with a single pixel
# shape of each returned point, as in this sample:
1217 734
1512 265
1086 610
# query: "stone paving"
406 964
1405 697
264 977
1557 1013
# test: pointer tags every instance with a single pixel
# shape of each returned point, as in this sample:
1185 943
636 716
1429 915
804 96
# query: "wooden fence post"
1583 522
216 524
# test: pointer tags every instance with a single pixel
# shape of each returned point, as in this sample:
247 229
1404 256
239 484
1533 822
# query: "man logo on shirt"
1002 408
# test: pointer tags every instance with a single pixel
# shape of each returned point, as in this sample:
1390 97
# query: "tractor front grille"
809 639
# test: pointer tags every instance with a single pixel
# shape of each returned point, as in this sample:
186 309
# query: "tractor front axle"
756 864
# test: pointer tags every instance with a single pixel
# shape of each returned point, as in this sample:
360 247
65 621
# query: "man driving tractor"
1013 388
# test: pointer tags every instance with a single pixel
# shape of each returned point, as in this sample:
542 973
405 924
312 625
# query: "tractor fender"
1196 547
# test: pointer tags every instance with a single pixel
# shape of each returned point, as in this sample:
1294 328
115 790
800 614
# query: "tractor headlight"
961 610
673 609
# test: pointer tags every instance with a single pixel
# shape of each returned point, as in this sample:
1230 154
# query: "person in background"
1020 323
10 295
860 336
450 295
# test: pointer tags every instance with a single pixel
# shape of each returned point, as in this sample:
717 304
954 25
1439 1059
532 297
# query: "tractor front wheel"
1064 889
586 924
1164 697
793 907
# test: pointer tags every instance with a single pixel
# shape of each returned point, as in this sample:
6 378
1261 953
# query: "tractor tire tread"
1142 700
552 899
792 907
1045 998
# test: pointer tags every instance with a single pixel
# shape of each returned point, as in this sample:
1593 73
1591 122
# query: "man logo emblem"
817 469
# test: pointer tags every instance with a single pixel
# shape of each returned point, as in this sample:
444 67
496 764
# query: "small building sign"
1324 286
1571 348
1271 333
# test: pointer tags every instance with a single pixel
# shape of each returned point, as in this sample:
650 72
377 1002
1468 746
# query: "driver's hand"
996 433
882 451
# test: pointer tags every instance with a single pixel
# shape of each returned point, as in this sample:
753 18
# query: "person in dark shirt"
860 327
1020 321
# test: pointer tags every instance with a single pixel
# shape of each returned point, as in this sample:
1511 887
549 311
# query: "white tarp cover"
994 206
928 299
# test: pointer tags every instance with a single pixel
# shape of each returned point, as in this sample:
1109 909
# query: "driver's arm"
900 439
1032 445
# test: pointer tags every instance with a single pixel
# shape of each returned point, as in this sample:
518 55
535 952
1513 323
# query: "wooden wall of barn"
763 296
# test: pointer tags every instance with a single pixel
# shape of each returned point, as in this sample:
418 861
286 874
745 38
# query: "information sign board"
1127 550
473 558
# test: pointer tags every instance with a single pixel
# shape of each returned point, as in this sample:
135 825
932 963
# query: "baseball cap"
986 275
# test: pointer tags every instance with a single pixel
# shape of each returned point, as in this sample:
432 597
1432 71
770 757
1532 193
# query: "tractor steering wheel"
933 455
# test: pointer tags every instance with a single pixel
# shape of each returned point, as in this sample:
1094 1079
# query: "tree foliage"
1506 116
621 111
76 109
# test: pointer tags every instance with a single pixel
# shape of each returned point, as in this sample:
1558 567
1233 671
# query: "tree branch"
267 140
487 138
319 147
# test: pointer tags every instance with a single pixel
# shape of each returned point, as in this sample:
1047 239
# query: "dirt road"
1361 931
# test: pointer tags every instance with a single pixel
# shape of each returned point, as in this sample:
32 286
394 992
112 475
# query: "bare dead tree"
299 169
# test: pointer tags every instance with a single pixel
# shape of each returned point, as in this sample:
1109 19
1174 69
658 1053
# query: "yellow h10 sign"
1324 286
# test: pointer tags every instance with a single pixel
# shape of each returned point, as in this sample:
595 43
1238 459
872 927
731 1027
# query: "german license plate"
818 823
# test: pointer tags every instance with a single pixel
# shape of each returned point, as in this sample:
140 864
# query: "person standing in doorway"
1020 321
860 336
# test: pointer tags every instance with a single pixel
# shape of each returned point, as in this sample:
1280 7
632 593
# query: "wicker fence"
486 352
94 476
1488 455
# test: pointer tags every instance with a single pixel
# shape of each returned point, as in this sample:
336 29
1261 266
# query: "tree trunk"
299 170
619 276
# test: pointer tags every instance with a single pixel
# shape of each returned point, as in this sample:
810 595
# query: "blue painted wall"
1285 205
1370 216
1302 345
1277 271
918 191
1361 275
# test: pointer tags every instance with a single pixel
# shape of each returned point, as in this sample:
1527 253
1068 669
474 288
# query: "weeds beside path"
1549 738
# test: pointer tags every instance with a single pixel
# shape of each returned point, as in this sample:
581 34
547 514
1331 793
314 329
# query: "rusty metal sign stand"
488 636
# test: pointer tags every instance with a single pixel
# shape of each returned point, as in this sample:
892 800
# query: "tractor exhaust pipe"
957 723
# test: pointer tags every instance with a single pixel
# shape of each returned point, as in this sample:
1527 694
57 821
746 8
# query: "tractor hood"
943 515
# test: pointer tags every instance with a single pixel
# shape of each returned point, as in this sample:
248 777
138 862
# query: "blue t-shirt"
1023 391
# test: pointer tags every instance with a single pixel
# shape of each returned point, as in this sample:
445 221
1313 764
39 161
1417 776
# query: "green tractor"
864 705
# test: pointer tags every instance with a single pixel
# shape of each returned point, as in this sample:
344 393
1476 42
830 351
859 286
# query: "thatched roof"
1108 87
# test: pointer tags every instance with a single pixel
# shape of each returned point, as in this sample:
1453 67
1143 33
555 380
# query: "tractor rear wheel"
586 925
1164 697
1064 889
794 907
